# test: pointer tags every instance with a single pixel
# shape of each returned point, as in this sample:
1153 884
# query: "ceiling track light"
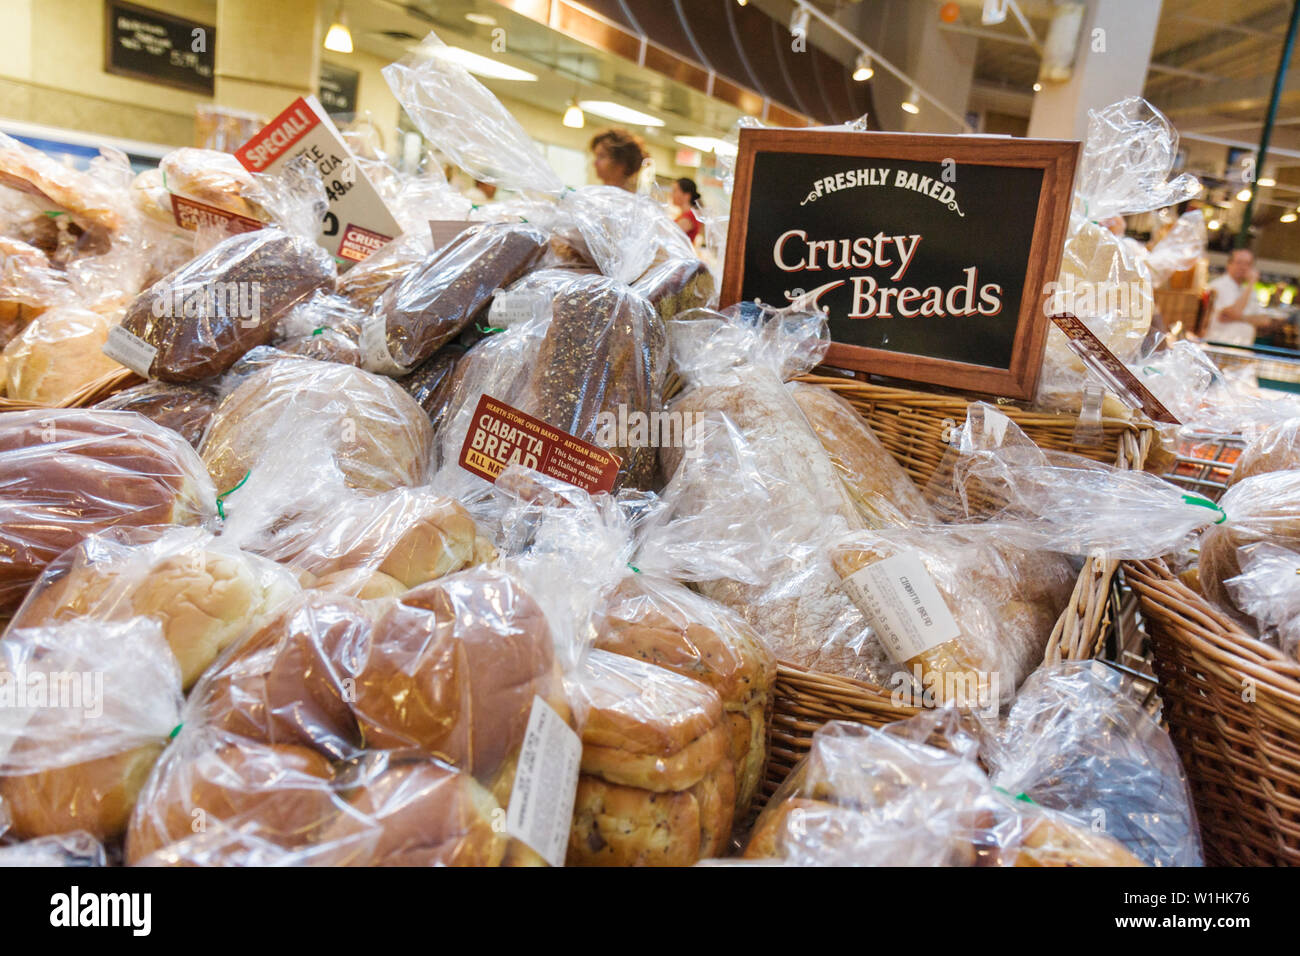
862 69
913 102
574 118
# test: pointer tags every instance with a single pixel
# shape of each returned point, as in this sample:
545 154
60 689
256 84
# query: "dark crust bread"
285 268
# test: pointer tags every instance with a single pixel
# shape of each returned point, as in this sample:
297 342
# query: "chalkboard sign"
148 45
338 88
929 254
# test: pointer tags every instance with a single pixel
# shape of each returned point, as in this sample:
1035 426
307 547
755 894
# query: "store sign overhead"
930 255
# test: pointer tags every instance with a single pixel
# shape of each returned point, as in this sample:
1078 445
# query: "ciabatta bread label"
546 781
898 598
130 350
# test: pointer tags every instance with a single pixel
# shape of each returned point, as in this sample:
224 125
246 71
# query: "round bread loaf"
68 473
56 355
417 812
380 438
290 681
1277 448
1264 508
96 796
452 670
279 793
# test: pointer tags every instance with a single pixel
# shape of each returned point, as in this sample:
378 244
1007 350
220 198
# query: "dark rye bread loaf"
431 305
217 306
675 286
605 348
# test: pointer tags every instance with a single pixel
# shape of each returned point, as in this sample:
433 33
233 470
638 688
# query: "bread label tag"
357 216
546 783
500 435
191 214
898 598
375 356
445 230
129 349
514 308
1107 366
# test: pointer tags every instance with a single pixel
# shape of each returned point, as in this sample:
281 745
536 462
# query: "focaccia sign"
928 254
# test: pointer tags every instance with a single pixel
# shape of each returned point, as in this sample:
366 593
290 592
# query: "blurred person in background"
619 156
1238 317
686 197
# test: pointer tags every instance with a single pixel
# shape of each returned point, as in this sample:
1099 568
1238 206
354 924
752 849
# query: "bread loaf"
215 178
68 473
185 409
431 305
279 793
657 784
380 439
675 286
1277 448
57 355
603 352
289 682
216 307
662 623
452 670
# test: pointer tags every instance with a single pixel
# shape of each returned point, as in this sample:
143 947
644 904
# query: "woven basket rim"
95 390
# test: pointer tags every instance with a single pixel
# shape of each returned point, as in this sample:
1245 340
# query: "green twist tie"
164 176
1207 503
1022 797
221 498
318 331
487 329
52 213
1147 369
634 568
175 730
474 206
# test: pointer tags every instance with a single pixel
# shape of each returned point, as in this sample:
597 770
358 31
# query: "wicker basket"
914 427
84 397
1242 756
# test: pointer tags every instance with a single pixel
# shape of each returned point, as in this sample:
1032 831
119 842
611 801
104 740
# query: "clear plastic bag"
65 850
1275 448
1179 249
655 757
68 473
91 705
1264 509
185 409
57 355
675 286
92 202
911 794
1266 590
367 280
466 122
1125 167
203 593
215 178
431 305
374 433
988 628
201 318
1075 741
626 234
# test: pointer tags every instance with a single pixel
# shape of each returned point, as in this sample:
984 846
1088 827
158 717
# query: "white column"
1111 64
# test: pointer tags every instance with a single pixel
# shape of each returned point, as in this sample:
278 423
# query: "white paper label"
130 350
375 356
899 600
546 783
514 308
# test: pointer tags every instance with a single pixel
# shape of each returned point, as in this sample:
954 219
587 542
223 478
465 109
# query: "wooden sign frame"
1056 158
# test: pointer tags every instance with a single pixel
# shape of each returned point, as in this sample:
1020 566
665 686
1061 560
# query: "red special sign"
279 136
501 435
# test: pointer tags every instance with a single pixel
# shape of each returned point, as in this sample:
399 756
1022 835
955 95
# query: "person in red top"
686 197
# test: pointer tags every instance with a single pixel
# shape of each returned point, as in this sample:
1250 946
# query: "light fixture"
799 22
1213 225
912 103
338 38
1288 217
743 3
862 69
708 144
620 113
573 117
1268 181
1038 87
1243 196
482 65
482 19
